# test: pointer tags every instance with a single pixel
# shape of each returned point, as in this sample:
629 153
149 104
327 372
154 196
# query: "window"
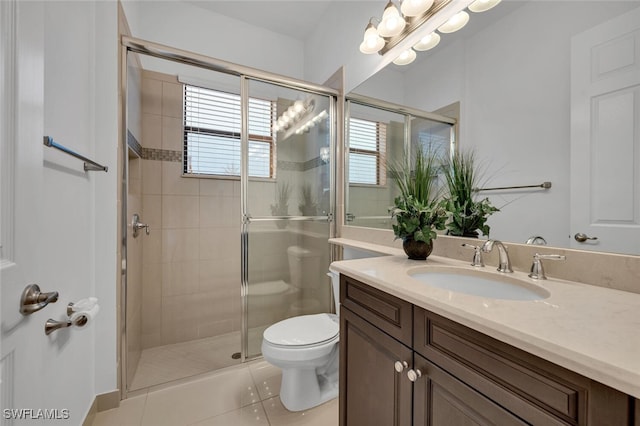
367 144
212 124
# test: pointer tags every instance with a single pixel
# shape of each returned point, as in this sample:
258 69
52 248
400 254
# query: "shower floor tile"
167 363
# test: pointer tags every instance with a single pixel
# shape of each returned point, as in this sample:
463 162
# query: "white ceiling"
296 19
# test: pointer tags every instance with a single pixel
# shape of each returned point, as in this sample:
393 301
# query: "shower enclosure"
232 171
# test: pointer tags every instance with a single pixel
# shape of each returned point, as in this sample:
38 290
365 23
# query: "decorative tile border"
313 163
161 155
292 166
176 156
133 143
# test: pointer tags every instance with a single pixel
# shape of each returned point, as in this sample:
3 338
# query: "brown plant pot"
417 250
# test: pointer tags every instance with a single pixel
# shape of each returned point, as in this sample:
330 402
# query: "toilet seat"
303 331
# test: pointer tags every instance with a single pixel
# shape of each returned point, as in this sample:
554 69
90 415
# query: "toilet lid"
302 330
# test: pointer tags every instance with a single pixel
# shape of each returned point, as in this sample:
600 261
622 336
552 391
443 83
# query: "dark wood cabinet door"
371 391
442 400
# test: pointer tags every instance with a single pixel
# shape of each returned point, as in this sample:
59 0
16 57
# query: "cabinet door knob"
400 366
414 375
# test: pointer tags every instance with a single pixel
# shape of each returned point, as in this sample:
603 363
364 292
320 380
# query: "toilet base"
304 389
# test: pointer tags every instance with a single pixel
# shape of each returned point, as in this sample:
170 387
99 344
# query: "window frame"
270 140
379 153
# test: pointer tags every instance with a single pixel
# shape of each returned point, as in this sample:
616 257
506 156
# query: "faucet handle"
537 270
477 255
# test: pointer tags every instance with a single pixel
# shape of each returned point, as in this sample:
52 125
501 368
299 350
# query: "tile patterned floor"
166 363
241 395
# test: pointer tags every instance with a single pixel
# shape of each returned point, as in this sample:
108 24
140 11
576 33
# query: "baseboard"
102 402
91 415
109 400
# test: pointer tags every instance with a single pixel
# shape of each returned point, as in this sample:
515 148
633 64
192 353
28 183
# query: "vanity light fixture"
483 5
405 57
396 27
305 126
428 42
455 23
372 42
295 113
392 22
325 154
415 7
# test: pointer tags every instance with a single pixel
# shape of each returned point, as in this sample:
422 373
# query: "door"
605 137
441 399
372 392
286 194
22 337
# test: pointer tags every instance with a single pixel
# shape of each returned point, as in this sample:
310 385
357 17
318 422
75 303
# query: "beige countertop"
591 330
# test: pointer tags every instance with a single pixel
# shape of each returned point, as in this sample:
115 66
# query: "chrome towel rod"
544 185
89 165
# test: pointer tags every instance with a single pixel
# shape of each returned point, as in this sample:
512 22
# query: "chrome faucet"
504 264
537 240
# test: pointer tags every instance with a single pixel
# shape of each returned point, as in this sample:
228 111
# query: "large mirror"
548 91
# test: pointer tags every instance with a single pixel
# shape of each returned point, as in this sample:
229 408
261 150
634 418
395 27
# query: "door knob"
581 238
400 366
414 375
32 299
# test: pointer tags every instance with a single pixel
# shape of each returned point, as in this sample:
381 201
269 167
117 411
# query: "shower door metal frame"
145 47
247 219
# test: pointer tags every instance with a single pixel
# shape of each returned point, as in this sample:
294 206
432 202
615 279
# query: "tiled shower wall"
191 259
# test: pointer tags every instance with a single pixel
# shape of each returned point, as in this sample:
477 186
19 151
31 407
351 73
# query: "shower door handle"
137 225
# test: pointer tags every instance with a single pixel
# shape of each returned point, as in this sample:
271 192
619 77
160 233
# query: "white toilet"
306 349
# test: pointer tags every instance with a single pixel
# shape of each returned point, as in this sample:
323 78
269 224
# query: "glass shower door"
287 207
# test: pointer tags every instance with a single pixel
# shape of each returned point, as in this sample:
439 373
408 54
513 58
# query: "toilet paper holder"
52 325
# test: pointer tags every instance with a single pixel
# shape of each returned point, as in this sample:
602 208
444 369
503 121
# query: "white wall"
79 209
514 94
185 26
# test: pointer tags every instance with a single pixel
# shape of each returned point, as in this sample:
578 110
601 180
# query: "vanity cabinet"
461 376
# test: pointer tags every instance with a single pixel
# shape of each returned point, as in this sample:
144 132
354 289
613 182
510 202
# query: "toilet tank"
304 267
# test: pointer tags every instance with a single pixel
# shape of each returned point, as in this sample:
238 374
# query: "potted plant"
281 207
308 207
417 212
465 215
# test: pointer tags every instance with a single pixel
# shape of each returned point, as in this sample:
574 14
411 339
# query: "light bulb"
483 5
455 23
290 113
298 106
392 23
405 57
415 7
372 42
428 42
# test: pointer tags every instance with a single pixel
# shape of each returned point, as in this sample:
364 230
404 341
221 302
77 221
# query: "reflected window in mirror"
367 150
212 124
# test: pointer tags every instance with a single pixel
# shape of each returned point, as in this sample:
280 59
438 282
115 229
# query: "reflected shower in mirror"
548 92
379 135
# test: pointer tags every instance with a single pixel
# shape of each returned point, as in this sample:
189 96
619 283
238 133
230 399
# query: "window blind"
367 145
212 126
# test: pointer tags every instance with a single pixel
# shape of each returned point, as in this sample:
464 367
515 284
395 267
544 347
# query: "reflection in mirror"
379 136
548 92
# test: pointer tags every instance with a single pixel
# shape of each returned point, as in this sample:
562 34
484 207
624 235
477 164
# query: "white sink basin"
479 283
